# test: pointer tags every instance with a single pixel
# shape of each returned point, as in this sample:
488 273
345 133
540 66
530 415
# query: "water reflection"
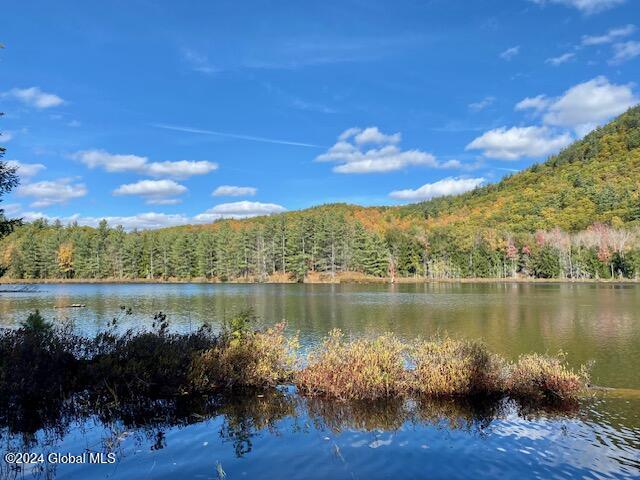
287 424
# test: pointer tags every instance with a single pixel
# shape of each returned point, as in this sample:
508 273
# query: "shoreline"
336 281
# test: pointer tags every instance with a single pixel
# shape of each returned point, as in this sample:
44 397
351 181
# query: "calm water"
288 437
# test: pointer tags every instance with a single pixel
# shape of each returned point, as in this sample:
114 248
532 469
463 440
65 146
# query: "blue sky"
162 113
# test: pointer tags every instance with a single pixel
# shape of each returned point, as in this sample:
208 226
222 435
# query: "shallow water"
289 437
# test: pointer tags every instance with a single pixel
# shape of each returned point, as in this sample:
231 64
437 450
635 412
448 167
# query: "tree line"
326 241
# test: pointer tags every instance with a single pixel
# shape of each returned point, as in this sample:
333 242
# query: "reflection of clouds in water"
566 445
381 443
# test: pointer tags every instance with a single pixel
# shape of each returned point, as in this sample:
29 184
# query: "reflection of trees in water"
244 419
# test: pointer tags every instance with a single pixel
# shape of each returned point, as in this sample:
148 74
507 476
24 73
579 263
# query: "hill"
596 179
574 216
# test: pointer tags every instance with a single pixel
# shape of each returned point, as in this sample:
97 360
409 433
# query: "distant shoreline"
315 281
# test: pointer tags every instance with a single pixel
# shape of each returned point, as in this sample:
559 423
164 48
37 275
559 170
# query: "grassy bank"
40 362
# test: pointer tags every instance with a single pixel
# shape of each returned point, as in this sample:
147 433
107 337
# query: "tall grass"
448 367
362 369
541 378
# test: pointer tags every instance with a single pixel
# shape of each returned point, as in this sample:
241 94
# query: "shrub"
37 363
155 363
450 367
36 323
542 378
363 369
245 360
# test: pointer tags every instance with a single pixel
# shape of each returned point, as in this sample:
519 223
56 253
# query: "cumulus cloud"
156 192
372 135
233 191
625 51
52 192
611 36
441 188
588 104
538 103
25 170
352 157
34 97
517 142
115 163
154 220
585 6
509 53
482 104
242 209
142 221
180 168
583 106
559 60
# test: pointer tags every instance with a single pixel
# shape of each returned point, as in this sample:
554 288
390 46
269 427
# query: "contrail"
234 135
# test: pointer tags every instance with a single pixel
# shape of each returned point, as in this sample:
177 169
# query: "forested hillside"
574 216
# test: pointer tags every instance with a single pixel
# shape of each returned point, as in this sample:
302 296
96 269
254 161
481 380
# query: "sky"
160 113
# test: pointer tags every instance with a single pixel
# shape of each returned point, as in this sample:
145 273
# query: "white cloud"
482 104
349 153
12 209
625 51
52 192
156 192
609 37
142 221
509 53
154 220
233 191
585 6
588 104
34 97
371 135
518 142
116 163
441 188
180 168
111 162
452 164
559 60
26 170
6 136
242 209
538 103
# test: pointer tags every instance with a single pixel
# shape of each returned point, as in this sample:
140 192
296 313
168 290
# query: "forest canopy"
577 216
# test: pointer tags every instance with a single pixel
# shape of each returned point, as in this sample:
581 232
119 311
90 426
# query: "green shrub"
38 363
246 360
155 363
36 323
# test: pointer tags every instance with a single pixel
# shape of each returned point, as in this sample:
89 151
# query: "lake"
285 436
